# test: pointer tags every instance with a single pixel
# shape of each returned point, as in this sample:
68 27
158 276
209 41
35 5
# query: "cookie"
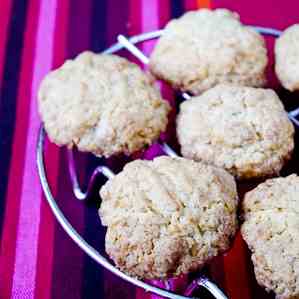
242 129
102 104
287 58
167 216
204 48
271 226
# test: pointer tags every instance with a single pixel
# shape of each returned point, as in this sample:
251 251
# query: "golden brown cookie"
242 129
207 47
102 104
167 216
287 58
271 230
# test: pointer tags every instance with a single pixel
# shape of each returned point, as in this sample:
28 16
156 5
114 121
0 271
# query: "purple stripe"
68 262
73 21
117 23
29 218
93 282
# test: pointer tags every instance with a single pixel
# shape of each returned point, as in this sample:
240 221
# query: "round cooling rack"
71 231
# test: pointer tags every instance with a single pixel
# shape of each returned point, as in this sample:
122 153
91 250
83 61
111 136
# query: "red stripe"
134 25
204 3
48 223
191 4
236 271
216 273
8 242
5 13
164 13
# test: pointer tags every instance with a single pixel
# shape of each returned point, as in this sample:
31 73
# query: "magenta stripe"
47 232
12 201
150 21
29 218
278 14
153 14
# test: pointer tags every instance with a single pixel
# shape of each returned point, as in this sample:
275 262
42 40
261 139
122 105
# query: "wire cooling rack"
202 281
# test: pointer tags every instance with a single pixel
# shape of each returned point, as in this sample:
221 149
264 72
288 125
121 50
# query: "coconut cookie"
242 129
271 230
287 58
102 104
167 216
207 47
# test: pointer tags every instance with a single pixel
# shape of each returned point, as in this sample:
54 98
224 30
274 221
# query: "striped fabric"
37 259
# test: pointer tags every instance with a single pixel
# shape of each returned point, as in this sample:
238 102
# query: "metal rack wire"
129 44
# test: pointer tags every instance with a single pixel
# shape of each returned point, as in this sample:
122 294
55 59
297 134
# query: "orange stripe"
204 3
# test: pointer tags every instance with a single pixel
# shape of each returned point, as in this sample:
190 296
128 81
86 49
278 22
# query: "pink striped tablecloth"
37 259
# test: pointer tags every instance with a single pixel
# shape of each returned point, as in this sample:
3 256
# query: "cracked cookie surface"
207 47
271 226
167 216
102 104
242 129
287 58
